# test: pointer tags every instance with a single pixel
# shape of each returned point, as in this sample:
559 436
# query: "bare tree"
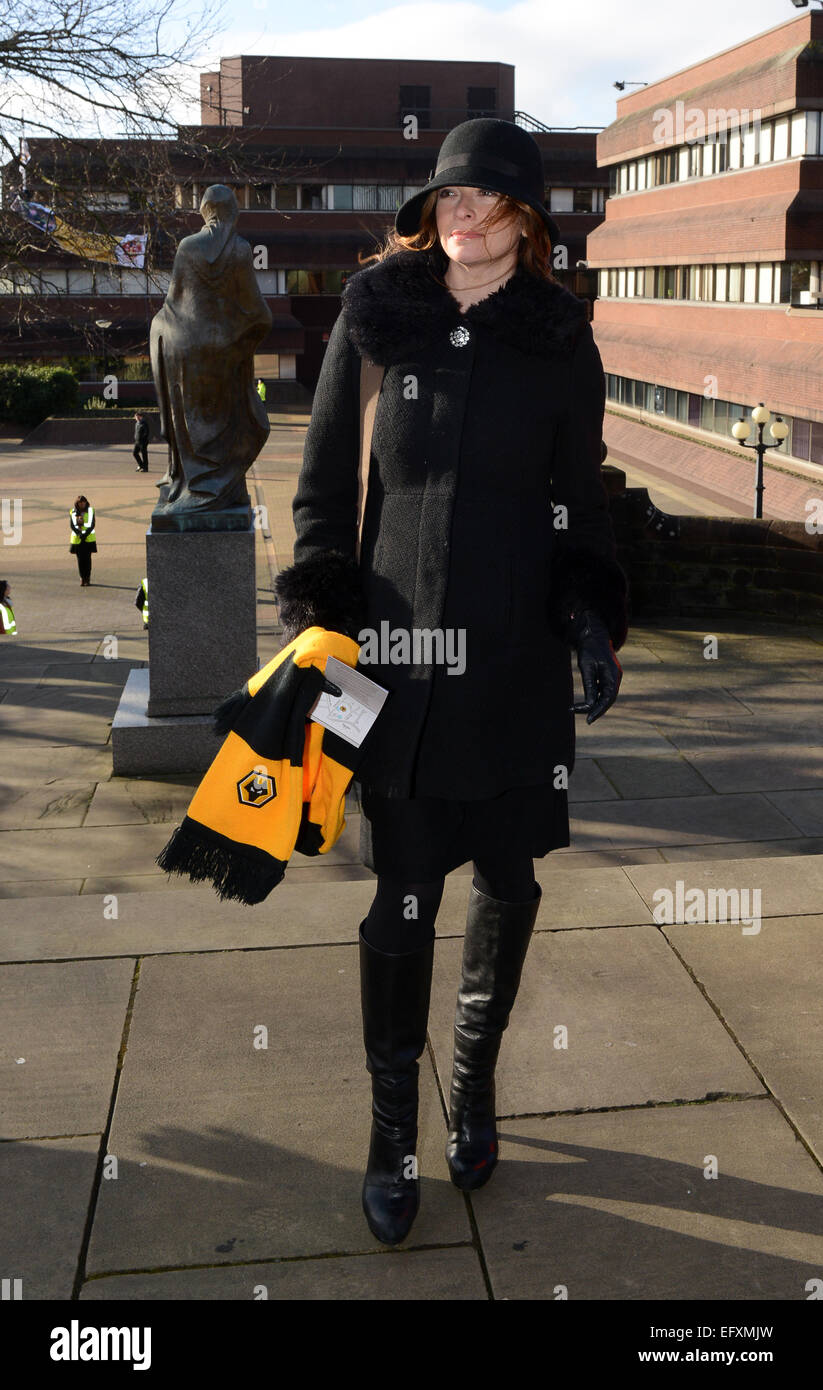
90 95
115 67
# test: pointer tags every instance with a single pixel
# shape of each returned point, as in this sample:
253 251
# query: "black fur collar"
394 308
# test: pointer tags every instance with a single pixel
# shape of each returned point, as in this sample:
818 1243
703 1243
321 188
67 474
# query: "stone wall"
688 564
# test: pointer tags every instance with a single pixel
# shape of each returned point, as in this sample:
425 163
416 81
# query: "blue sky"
566 55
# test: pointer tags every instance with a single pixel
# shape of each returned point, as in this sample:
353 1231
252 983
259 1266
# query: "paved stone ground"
153 1151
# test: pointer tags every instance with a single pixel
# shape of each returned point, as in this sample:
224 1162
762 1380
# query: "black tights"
403 913
84 561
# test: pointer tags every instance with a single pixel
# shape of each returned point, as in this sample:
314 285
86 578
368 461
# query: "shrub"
30 394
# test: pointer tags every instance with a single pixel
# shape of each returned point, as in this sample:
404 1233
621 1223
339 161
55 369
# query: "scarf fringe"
230 710
233 875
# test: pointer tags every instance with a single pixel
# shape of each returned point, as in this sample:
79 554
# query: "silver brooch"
459 337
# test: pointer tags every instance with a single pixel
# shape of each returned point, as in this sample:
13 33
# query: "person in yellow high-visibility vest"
261 389
142 602
8 625
82 541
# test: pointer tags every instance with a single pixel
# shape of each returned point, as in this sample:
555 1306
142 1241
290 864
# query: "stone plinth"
203 620
142 745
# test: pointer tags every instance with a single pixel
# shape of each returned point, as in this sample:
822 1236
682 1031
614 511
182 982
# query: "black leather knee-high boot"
395 992
494 949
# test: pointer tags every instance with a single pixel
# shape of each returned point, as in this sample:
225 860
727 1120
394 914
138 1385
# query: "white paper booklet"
352 713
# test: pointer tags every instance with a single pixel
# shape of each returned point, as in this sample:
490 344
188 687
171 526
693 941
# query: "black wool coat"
486 515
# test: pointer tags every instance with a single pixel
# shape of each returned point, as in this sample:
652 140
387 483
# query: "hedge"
30 394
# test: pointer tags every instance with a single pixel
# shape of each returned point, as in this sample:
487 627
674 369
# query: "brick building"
319 154
710 255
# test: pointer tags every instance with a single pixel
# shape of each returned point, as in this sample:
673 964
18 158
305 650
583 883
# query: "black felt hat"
485 153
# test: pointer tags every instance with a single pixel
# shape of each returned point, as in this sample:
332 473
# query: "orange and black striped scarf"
278 783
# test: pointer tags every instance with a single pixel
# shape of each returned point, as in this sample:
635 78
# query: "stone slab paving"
783 1028
49 805
652 776
141 801
47 1187
616 1206
61 1026
758 849
251 1153
675 820
788 886
803 808
776 768
194 919
622 996
99 850
452 1274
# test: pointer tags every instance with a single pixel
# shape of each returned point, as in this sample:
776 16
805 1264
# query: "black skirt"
424 838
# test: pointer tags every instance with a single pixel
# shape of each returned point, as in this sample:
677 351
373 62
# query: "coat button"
459 337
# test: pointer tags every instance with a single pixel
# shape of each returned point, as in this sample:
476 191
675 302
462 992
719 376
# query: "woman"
8 625
486 519
82 541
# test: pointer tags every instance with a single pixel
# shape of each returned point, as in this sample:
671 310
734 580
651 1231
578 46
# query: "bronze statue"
202 358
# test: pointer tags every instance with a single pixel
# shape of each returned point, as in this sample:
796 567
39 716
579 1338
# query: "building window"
261 195
736 284
750 283
311 197
766 136
735 150
801 278
416 101
81 281
389 196
286 196
134 281
781 138
480 101
107 280
720 282
364 197
562 200
765 282
798 133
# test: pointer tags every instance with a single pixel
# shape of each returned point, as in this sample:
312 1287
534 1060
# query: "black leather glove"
598 665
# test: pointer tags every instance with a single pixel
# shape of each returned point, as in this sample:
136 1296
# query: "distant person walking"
141 442
261 389
8 626
83 541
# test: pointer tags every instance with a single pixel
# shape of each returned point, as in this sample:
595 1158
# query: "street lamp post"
778 430
103 324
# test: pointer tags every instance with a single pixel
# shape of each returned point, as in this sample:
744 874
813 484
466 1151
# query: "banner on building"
92 246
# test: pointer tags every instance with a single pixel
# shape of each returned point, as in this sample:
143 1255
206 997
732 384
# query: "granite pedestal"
202 646
202 618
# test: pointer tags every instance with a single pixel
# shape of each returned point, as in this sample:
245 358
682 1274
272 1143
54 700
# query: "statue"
202 358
